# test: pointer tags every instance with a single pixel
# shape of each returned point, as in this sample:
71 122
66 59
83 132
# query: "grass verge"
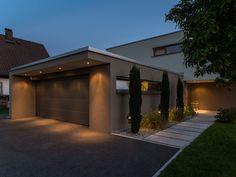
213 154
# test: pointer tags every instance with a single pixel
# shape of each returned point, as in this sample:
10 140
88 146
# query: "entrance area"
209 96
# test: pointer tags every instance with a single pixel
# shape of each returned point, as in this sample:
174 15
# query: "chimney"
8 34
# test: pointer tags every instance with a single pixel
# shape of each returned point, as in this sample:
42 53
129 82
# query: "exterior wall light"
88 63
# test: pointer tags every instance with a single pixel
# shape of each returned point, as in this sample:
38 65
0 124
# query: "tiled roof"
18 52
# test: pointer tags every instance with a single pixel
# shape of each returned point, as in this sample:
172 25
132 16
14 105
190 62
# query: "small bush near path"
226 115
212 154
176 114
153 120
189 111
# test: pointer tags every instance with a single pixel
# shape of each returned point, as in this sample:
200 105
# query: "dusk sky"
64 25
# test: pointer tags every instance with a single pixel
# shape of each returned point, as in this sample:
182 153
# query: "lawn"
213 154
4 110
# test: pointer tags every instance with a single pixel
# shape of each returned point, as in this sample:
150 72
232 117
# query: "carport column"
99 99
22 97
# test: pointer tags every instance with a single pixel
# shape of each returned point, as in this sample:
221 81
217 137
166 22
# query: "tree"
135 100
209 28
180 100
165 96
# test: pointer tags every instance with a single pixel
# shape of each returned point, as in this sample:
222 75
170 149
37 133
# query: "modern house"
165 51
15 52
86 86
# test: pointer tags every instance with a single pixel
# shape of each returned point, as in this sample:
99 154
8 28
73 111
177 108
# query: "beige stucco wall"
99 99
212 97
143 51
120 102
22 97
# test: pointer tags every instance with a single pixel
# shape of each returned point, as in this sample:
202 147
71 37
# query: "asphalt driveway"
50 148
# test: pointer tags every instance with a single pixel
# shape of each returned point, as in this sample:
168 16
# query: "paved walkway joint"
182 134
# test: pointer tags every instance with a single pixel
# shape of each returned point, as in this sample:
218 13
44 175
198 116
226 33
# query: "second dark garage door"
65 99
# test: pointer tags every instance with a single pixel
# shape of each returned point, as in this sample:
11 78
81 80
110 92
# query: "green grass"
213 154
4 110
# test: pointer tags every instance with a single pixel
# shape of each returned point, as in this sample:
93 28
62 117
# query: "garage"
65 99
210 96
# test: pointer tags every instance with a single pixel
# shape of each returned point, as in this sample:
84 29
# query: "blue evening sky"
64 25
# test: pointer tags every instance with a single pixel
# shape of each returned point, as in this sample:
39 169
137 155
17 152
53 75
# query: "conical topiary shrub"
135 100
180 98
165 96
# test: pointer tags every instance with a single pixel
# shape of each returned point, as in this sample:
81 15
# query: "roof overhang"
76 59
61 63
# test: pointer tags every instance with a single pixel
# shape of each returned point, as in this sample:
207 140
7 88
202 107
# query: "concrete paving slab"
197 125
192 126
201 119
179 127
183 132
168 141
188 138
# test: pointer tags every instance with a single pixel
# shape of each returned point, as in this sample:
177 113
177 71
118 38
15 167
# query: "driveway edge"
167 163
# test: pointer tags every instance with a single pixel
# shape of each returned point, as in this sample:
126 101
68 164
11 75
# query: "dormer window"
168 49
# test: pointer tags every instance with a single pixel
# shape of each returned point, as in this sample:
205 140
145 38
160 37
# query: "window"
122 86
165 50
1 88
147 87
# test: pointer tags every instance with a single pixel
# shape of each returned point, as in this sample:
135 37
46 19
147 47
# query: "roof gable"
17 52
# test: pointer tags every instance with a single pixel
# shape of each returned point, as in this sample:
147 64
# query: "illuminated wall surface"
210 96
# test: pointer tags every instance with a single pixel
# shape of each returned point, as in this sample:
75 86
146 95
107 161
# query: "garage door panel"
65 99
75 105
66 115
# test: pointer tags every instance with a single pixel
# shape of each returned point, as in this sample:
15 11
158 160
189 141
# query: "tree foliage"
209 28
180 98
165 96
135 100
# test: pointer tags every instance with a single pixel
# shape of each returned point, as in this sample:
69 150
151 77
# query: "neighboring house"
15 52
86 86
165 51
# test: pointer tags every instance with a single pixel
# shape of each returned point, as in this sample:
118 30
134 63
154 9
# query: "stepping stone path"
182 134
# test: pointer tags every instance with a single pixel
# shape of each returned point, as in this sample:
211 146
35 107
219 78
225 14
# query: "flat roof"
166 34
91 49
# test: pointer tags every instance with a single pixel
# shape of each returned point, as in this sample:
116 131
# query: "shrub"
135 100
165 95
226 115
189 111
180 100
176 114
152 120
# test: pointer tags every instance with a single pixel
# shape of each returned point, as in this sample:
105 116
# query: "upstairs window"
169 49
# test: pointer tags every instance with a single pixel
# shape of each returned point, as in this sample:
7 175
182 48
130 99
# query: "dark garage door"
65 99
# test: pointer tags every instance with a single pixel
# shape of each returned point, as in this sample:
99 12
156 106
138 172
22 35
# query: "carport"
81 87
66 87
